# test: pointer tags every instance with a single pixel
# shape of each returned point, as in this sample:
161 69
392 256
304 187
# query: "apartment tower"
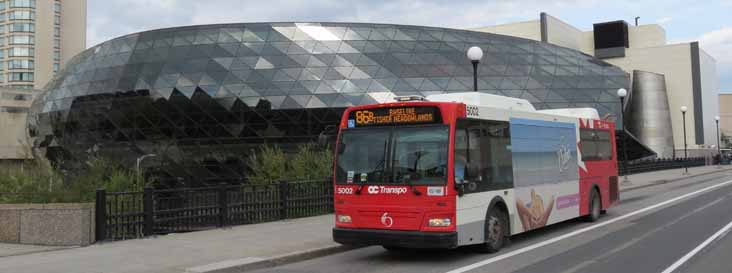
37 37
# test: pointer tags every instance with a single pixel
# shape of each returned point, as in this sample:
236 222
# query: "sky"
705 21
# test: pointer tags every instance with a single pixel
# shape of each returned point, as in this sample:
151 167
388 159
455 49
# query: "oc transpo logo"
386 220
386 190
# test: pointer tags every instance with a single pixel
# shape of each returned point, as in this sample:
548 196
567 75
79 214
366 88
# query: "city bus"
467 168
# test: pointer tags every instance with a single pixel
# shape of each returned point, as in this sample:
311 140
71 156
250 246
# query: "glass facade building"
202 98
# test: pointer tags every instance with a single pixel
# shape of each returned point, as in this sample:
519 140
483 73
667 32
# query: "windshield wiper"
380 165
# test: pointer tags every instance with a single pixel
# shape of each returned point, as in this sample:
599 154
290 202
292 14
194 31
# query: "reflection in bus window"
420 155
486 146
395 155
362 156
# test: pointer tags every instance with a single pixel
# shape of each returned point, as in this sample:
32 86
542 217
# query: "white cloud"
112 18
718 43
664 20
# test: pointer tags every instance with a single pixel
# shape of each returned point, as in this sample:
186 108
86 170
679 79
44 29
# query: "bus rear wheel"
595 207
496 228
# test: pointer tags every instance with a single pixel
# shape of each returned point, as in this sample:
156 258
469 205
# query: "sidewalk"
205 251
175 253
642 180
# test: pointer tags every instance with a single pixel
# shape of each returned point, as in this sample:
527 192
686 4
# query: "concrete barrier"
47 224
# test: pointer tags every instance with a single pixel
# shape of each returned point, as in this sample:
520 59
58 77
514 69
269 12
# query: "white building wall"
563 34
673 61
710 103
648 50
529 29
651 35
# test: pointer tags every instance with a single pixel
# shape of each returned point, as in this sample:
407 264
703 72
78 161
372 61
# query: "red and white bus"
467 169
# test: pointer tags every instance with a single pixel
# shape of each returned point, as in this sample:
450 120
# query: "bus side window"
498 160
461 154
468 153
595 145
486 146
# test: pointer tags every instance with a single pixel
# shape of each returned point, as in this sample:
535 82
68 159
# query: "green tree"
268 165
311 163
271 165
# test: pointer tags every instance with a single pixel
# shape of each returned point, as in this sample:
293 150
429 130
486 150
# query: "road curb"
254 263
666 181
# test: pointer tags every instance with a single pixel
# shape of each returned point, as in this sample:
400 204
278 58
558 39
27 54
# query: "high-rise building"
37 37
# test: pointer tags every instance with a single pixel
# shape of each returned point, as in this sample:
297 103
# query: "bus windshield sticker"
364 177
394 116
349 177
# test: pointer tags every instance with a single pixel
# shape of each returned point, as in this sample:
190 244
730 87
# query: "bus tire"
496 228
595 207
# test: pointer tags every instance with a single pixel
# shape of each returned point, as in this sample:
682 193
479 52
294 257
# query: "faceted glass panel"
204 97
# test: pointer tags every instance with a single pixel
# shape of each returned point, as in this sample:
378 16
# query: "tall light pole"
621 94
137 165
683 117
719 149
474 55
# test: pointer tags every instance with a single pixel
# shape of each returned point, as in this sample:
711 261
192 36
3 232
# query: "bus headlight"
344 218
439 222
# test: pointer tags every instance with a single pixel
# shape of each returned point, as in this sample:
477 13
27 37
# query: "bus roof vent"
485 100
410 98
586 113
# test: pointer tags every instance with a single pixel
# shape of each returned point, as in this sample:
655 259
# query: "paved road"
649 241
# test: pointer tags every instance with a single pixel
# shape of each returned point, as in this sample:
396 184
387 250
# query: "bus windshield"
394 155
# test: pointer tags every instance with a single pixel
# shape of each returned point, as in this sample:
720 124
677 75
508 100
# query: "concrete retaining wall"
47 224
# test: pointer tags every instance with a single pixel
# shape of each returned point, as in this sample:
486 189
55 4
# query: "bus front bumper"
408 239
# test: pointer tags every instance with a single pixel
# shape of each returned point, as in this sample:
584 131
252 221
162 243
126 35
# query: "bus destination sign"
394 116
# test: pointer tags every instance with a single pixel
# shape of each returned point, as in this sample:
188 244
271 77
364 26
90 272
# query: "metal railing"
659 164
127 215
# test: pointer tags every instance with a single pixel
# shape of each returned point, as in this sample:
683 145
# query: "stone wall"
47 224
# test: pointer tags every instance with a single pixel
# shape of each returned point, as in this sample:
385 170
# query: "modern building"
202 98
664 77
37 38
14 105
725 116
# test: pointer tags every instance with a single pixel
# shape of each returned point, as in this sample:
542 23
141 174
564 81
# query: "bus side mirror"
460 187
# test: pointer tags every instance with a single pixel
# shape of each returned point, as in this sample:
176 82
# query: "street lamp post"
474 55
719 149
621 94
137 164
683 117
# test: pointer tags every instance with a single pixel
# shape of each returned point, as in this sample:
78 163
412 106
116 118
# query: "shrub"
267 166
311 163
35 181
271 164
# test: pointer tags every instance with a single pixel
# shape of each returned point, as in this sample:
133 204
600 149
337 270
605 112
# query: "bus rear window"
595 145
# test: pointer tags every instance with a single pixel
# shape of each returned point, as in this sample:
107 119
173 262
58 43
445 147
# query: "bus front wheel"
496 228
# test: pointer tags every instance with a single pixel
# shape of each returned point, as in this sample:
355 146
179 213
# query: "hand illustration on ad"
534 214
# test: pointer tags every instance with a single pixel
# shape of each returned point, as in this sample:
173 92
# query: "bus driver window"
467 156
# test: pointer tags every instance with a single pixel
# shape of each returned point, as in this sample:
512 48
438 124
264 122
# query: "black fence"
658 164
127 215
